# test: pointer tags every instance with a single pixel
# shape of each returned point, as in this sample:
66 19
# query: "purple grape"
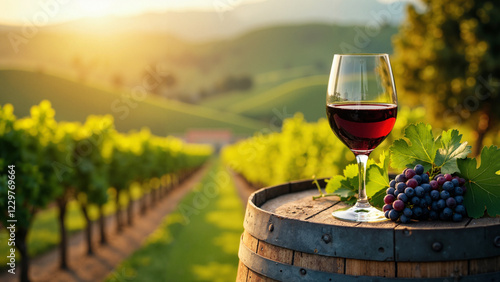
445 194
435 195
390 191
389 199
460 209
412 183
410 192
434 184
393 215
407 212
425 178
398 205
451 203
387 207
419 169
441 180
410 173
404 219
461 181
400 186
441 203
419 191
400 178
448 177
448 186
403 197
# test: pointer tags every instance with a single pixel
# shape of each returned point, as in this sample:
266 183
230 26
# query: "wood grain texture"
432 269
242 273
275 253
250 241
300 206
370 268
317 262
478 266
256 277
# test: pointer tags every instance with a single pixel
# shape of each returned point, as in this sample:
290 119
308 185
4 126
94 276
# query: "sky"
54 11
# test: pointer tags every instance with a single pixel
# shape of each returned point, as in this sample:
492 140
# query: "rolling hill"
74 102
289 65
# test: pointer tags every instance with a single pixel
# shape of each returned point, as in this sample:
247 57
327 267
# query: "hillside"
74 101
196 66
282 60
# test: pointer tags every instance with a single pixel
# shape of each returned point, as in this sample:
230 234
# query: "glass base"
360 213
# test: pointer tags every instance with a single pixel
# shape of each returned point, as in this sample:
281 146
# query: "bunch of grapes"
412 196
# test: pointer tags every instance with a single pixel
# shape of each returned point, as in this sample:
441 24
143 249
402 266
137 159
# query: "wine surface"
362 127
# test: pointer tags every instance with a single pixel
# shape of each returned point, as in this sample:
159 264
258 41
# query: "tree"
447 58
122 172
23 145
93 149
61 175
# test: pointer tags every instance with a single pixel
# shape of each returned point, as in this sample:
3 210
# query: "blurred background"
254 71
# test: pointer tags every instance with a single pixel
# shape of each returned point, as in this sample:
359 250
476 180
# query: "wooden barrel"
290 237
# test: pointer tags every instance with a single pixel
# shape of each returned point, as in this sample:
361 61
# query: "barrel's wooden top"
301 206
287 216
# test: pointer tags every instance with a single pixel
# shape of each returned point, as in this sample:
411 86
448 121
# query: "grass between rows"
198 242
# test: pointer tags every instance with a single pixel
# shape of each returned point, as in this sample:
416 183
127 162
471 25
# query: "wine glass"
361 106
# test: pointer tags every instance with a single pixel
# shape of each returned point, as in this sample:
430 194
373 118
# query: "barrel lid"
286 216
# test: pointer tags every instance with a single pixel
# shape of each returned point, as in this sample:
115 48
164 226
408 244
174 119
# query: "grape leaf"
351 173
377 176
345 186
419 146
340 186
377 200
451 150
483 183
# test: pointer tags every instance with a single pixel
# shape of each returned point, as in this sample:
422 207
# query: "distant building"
216 137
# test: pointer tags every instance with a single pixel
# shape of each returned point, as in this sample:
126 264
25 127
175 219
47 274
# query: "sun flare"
95 8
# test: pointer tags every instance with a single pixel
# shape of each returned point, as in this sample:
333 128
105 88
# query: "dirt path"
107 257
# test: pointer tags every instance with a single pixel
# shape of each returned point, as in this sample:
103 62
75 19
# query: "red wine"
362 127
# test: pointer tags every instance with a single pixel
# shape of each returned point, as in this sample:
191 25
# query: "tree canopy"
447 58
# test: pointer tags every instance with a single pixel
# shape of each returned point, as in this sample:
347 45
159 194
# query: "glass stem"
362 199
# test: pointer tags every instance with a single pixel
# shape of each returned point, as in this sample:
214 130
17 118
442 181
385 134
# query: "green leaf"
451 150
483 183
419 146
342 185
351 173
377 176
377 200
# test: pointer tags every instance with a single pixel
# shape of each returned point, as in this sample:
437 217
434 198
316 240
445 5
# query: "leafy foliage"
51 157
451 150
446 58
419 146
377 176
347 185
300 150
483 183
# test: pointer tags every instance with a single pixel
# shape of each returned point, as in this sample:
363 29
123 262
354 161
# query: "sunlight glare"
95 8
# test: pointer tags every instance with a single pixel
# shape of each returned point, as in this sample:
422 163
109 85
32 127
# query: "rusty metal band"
365 243
287 272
